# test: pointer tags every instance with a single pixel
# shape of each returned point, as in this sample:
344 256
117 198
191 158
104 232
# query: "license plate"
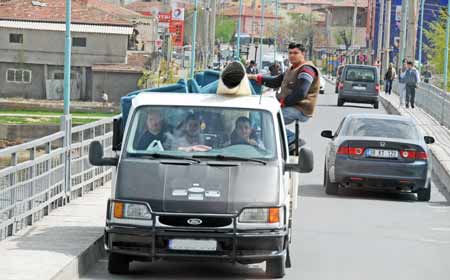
376 153
359 88
193 244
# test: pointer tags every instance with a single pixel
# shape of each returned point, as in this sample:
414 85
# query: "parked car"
338 77
378 152
359 84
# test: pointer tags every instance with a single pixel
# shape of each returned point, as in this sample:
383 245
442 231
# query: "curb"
81 264
440 175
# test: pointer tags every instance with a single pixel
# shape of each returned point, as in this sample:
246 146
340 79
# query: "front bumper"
152 243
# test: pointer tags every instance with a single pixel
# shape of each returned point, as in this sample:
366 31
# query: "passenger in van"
244 134
154 133
189 138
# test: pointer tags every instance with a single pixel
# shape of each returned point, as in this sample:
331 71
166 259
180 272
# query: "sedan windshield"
207 133
381 128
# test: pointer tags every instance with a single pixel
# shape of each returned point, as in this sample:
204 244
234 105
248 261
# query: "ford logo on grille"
194 222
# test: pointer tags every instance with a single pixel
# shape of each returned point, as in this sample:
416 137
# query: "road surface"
353 236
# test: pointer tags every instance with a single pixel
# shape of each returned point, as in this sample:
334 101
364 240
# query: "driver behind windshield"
243 133
154 134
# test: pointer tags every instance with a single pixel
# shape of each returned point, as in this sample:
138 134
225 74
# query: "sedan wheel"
424 194
330 188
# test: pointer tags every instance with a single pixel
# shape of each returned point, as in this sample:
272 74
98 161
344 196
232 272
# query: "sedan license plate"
193 244
376 153
359 88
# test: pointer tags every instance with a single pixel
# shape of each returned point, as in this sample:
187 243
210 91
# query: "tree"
435 48
225 29
344 37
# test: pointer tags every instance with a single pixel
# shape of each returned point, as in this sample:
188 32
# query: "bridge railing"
32 175
433 100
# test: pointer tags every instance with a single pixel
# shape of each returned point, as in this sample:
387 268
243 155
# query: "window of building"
79 42
60 75
18 76
16 38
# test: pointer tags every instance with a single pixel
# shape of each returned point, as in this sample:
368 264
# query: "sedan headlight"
261 215
131 211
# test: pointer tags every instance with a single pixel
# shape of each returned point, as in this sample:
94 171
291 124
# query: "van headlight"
131 211
261 215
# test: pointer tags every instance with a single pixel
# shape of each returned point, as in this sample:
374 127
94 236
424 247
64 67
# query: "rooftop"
135 63
83 11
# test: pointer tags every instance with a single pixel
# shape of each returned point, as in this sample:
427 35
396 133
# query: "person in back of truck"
300 87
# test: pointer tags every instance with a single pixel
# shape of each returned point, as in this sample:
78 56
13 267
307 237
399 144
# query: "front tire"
275 268
118 264
330 188
424 194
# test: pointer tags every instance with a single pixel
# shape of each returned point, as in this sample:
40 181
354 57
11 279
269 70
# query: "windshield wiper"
224 157
167 156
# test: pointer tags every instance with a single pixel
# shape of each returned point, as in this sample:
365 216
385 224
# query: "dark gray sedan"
378 152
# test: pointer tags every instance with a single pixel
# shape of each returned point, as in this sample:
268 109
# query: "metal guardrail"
432 100
32 175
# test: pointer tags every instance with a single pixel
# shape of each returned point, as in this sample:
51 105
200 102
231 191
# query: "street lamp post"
422 5
447 37
238 46
194 37
261 35
275 33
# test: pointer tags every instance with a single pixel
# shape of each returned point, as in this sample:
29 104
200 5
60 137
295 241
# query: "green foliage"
344 37
225 29
167 74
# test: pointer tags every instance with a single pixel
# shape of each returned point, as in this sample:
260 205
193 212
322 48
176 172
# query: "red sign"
177 28
162 17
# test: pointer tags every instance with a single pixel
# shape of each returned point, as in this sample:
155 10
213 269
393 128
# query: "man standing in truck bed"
300 86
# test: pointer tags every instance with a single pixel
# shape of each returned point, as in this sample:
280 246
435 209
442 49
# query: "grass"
41 120
51 113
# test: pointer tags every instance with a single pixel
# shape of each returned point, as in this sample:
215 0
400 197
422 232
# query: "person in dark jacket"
251 69
154 133
411 79
389 77
300 87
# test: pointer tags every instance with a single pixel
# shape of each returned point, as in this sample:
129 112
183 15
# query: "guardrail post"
66 127
33 185
12 182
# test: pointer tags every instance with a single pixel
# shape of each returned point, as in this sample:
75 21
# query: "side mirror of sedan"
429 139
327 134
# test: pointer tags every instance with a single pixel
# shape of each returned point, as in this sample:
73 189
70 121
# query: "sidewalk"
429 126
62 245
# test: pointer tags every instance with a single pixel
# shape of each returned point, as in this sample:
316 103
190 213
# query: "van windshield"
200 131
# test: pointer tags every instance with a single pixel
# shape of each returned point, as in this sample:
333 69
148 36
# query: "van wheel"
340 102
275 268
330 188
376 105
424 194
118 264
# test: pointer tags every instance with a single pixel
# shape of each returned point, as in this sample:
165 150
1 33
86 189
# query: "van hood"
198 188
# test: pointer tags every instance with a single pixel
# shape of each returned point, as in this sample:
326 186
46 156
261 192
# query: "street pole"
355 12
238 47
380 32
387 37
194 37
66 121
206 34
405 7
261 35
447 37
213 27
276 33
422 6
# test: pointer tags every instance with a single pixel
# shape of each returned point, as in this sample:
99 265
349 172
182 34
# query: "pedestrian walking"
251 69
389 78
412 78
401 83
427 75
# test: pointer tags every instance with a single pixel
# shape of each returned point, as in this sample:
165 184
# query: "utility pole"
261 35
276 33
212 34
387 37
447 39
422 6
355 13
411 30
194 37
238 46
403 31
206 33
253 21
380 32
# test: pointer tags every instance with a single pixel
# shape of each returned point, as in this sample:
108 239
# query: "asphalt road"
356 235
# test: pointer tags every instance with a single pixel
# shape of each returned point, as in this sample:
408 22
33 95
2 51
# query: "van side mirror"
305 162
117 134
96 155
429 139
327 134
